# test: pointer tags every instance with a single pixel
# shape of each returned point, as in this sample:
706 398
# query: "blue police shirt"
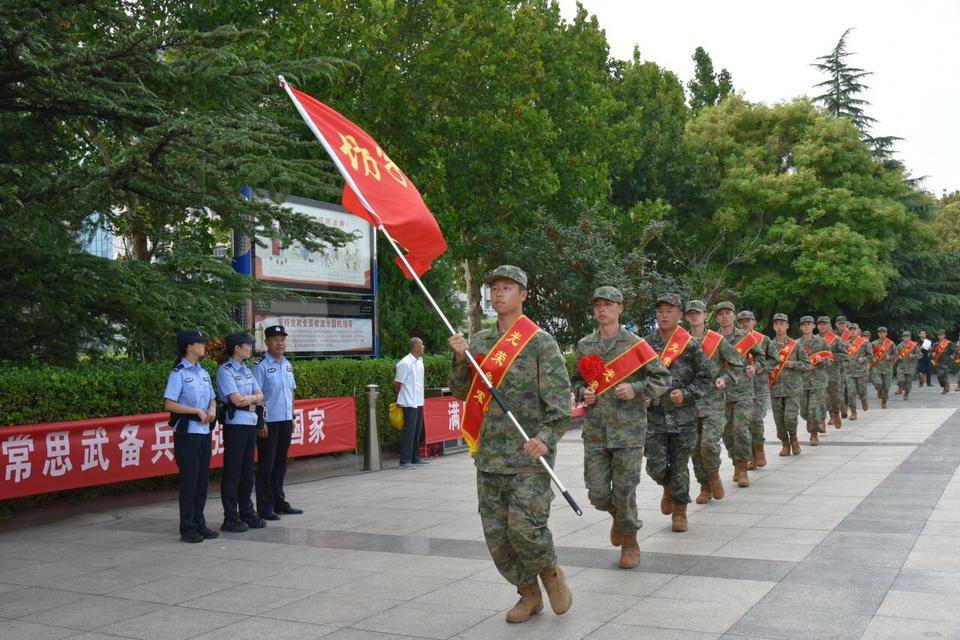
276 379
189 384
236 377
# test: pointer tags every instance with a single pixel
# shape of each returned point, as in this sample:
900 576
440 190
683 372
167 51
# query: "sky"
913 50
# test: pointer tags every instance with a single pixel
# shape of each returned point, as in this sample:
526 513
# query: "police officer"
190 400
274 374
240 396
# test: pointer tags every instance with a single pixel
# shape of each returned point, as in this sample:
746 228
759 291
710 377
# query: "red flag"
376 189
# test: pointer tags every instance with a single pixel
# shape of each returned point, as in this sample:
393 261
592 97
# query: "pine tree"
707 88
843 85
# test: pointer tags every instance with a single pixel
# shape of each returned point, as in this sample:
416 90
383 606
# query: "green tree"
843 86
946 223
155 127
707 88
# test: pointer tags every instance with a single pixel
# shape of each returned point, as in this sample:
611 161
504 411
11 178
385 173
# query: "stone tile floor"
858 538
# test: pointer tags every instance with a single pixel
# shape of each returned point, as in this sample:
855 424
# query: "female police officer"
189 399
240 394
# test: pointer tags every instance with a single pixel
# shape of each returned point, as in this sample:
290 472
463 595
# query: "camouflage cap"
746 315
607 293
853 325
669 298
696 305
879 329
823 319
866 333
840 319
724 305
906 334
805 319
780 316
509 272
941 332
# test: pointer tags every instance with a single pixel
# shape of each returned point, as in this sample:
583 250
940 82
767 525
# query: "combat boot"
906 394
822 426
616 538
794 444
883 403
785 449
863 403
529 604
666 501
679 520
843 411
716 486
853 413
759 455
736 472
946 389
744 480
752 463
629 552
814 439
704 496
557 590
835 419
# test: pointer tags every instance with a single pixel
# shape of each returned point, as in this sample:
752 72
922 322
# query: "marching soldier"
736 433
615 423
941 355
845 332
726 370
672 418
786 385
834 368
884 357
908 353
513 490
861 355
761 390
814 398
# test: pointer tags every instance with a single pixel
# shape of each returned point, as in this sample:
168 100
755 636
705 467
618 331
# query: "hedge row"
30 395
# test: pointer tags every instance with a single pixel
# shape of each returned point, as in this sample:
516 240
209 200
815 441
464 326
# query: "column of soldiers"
671 396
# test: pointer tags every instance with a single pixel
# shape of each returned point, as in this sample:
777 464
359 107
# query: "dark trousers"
412 431
192 453
272 465
239 443
924 366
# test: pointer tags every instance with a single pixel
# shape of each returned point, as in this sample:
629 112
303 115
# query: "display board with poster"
319 326
349 268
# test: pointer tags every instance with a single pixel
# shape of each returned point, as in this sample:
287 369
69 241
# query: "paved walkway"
859 538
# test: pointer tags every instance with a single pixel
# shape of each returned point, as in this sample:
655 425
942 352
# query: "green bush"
30 395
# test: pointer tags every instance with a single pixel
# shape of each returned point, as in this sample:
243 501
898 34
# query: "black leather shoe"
207 533
289 511
234 526
269 516
254 522
191 537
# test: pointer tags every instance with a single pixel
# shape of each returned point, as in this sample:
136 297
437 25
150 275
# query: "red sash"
495 364
855 346
785 352
845 336
879 353
907 348
710 343
759 337
675 346
939 349
746 343
623 366
819 356
830 337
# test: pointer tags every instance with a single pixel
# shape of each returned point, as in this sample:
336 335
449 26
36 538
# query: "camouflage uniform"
835 372
740 396
943 364
907 366
513 490
711 408
813 401
614 429
859 372
672 428
785 393
761 388
883 370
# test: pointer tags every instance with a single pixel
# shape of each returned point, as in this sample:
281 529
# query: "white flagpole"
476 367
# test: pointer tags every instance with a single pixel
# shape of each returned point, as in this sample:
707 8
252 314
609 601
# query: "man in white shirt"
408 385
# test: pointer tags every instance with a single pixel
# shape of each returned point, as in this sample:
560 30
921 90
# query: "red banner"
441 419
55 456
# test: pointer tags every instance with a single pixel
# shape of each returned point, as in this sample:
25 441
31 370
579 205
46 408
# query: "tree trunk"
141 249
474 301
